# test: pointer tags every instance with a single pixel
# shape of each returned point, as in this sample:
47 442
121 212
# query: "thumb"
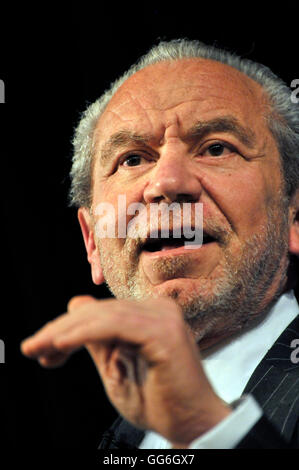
78 301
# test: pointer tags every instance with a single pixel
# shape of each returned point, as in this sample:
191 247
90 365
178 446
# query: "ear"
294 228
93 255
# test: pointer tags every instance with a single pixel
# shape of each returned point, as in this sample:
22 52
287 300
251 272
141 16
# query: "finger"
107 327
78 301
127 322
41 341
87 310
54 360
107 320
43 347
33 347
118 362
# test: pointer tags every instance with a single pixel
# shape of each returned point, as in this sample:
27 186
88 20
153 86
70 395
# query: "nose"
173 179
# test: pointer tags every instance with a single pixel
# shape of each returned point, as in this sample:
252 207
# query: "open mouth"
153 245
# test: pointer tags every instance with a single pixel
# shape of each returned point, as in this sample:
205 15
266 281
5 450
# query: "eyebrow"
225 124
121 139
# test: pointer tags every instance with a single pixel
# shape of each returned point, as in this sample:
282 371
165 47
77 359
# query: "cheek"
243 198
113 187
110 256
120 203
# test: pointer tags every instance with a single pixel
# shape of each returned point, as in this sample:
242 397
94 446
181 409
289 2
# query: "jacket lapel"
275 383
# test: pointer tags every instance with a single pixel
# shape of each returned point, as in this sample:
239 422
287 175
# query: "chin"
186 293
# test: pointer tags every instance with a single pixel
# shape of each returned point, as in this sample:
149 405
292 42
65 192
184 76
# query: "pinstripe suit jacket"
274 384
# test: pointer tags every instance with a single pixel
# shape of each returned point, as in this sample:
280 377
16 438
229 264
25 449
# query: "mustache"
163 221
181 222
139 238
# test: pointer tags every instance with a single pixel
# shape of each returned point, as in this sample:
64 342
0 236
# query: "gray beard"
236 300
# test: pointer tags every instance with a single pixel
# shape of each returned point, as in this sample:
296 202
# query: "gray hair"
283 118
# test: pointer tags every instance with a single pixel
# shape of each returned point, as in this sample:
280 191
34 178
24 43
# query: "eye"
218 150
133 159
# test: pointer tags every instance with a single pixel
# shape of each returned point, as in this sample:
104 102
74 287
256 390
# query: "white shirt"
229 367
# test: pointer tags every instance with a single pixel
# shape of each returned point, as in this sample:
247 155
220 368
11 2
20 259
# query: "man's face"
195 131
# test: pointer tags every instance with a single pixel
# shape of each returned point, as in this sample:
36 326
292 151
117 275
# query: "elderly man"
197 350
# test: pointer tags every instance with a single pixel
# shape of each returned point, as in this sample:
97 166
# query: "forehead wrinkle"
120 139
198 131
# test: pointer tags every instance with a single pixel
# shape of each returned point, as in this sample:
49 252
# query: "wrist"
204 421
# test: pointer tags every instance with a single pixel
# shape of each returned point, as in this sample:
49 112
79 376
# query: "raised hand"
147 359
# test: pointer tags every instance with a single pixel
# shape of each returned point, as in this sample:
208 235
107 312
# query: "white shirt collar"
230 364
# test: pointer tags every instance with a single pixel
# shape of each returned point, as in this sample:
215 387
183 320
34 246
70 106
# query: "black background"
53 64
